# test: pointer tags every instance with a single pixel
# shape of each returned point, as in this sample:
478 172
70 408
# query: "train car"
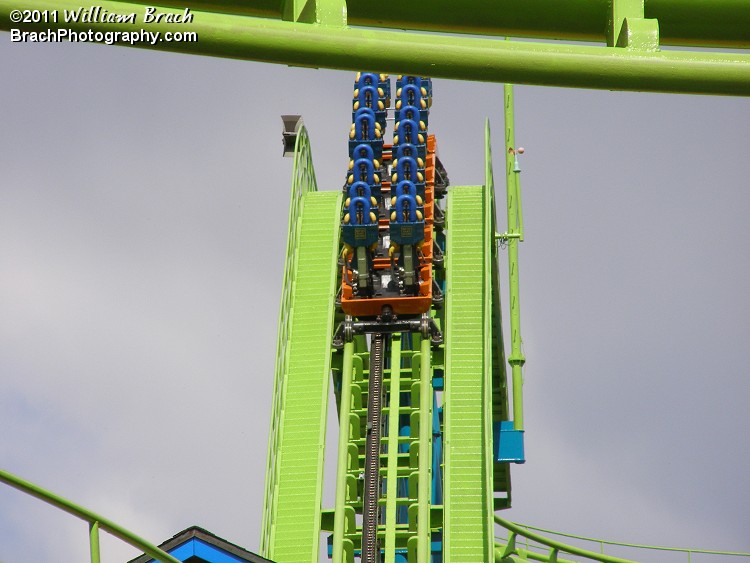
389 204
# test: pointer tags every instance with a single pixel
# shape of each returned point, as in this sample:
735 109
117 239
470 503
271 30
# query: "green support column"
425 451
501 484
342 465
94 542
513 237
331 12
394 406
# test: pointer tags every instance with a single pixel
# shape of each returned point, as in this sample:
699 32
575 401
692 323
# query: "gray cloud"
142 232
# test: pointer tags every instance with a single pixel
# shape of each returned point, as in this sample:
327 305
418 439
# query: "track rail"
370 512
336 45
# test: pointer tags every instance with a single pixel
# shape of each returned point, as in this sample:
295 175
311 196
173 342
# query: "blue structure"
196 545
507 442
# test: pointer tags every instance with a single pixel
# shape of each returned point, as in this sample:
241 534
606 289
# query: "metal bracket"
387 323
629 28
324 12
292 125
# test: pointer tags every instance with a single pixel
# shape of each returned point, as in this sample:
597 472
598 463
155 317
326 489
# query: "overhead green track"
319 34
699 23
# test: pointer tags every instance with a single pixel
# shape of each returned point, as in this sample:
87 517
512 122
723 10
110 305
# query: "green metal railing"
511 551
96 522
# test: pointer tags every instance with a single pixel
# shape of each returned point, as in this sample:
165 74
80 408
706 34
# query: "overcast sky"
143 211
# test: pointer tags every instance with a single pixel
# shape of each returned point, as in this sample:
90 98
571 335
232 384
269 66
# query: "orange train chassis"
362 307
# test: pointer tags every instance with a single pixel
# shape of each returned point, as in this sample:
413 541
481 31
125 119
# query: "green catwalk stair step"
468 535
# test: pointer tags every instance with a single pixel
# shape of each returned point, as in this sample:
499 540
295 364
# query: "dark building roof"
196 545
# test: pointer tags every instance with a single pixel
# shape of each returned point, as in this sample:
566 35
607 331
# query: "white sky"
142 232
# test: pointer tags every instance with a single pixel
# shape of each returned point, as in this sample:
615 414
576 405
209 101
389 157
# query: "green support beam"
501 470
512 238
394 406
425 452
696 23
459 57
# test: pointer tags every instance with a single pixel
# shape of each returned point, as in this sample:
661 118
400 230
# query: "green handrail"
505 551
95 521
638 546
553 545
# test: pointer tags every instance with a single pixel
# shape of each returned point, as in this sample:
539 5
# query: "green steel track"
624 51
476 394
470 362
523 543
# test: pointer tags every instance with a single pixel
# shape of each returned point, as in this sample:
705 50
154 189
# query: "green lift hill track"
470 363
